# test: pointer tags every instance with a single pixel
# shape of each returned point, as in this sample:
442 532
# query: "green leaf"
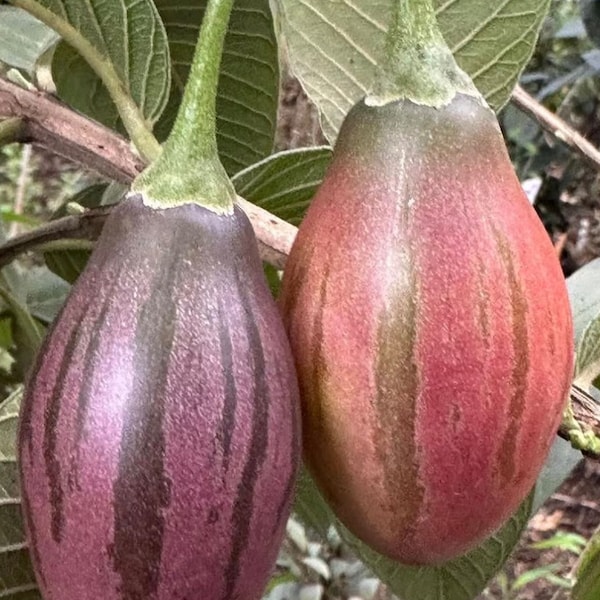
9 216
67 264
459 579
7 361
563 540
17 580
27 332
310 506
273 279
9 413
248 92
46 293
559 464
23 39
584 296
333 47
492 43
11 276
535 574
284 183
79 86
587 584
124 41
559 581
5 333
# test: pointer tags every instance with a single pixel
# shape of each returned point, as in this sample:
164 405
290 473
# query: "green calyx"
189 170
418 65
171 182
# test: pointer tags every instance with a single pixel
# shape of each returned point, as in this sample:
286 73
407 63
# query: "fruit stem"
189 169
417 63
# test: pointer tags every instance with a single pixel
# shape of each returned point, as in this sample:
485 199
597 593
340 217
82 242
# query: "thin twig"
86 226
564 499
52 125
21 191
556 126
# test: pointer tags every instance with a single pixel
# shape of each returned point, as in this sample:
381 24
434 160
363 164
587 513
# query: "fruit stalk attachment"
189 169
417 64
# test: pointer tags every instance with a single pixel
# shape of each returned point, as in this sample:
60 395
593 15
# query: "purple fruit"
160 434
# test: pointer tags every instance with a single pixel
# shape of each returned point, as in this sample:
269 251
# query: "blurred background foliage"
563 75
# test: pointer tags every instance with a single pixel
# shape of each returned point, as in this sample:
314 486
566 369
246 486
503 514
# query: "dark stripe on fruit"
85 393
141 490
519 375
397 382
256 453
227 420
51 433
483 303
32 387
317 359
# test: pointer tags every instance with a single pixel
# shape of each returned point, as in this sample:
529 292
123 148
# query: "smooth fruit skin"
431 329
159 439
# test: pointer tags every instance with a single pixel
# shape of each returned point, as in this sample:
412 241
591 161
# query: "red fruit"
431 329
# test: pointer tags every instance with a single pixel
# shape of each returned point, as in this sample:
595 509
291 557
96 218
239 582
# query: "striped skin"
159 438
431 330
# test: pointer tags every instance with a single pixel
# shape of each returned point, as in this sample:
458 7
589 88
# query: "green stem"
130 113
413 26
189 169
65 244
417 64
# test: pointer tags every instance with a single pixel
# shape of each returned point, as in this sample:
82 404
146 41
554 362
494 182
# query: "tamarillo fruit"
160 430
431 329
